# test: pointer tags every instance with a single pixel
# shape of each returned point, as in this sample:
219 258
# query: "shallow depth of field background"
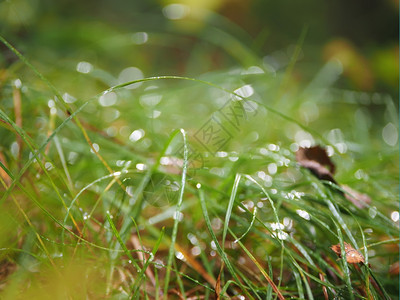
313 73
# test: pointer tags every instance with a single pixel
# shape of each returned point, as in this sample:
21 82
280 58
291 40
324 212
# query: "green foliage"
155 187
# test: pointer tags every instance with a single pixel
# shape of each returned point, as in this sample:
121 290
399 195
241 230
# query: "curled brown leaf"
352 255
317 161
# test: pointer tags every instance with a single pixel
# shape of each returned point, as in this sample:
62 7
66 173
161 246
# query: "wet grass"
188 188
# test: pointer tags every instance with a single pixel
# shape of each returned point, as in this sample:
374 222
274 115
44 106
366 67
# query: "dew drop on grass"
222 154
175 11
277 226
53 111
14 148
48 166
244 91
120 163
198 185
273 147
394 216
302 213
288 222
196 250
218 171
51 103
108 99
96 148
372 212
253 70
216 223
294 147
141 167
263 151
129 190
178 216
159 264
272 168
136 135
68 98
18 83
150 100
179 255
111 131
192 238
140 38
130 74
390 134
154 114
84 67
233 158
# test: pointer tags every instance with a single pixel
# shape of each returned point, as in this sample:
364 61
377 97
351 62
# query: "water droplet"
108 99
129 190
51 103
68 98
14 148
48 166
18 83
84 67
302 213
150 100
389 134
192 238
140 38
273 147
179 255
154 114
141 167
372 212
136 135
222 154
394 216
196 250
175 11
272 168
253 70
244 91
178 215
130 74
96 148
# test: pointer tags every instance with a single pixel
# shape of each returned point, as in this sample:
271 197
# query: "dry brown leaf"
317 161
352 255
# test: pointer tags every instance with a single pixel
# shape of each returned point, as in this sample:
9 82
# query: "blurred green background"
314 72
191 37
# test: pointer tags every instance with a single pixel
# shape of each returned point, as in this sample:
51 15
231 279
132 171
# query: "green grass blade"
177 213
